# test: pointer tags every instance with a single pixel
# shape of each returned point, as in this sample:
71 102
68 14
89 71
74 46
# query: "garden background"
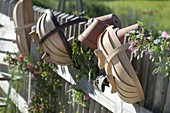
154 14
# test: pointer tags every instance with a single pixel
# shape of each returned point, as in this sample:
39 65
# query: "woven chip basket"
55 46
117 64
23 21
52 40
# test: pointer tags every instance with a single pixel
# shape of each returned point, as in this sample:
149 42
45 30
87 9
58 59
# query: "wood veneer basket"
23 21
55 46
52 40
117 64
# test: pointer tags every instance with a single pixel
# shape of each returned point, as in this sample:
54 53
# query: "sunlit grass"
158 12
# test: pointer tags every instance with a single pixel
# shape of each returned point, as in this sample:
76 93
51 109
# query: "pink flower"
131 48
164 34
86 97
131 42
10 65
147 52
32 76
20 57
30 66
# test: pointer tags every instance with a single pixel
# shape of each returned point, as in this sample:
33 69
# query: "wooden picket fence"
156 88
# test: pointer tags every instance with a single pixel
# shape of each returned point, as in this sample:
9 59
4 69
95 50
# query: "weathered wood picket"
156 88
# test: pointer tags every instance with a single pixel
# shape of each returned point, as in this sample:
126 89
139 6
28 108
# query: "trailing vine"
85 61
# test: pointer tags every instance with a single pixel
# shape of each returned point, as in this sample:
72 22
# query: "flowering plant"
19 65
43 75
158 48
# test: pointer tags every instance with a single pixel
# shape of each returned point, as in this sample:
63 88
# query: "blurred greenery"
52 4
154 14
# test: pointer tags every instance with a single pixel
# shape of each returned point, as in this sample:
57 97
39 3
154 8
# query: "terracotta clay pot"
23 21
117 64
110 19
96 27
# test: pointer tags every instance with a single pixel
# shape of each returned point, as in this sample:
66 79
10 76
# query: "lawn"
154 13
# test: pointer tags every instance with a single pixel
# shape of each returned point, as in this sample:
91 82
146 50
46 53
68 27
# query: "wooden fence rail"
156 88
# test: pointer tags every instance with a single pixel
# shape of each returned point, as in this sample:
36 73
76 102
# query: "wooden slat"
97 107
103 110
79 5
7 31
160 94
166 107
1 6
139 109
144 72
62 91
91 107
85 110
4 46
61 5
56 13
11 7
81 27
63 20
79 109
36 13
149 89
59 17
2 104
66 95
15 97
34 10
72 27
2 56
75 28
5 8
68 28
70 108
74 106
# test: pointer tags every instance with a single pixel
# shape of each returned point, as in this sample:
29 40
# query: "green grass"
154 13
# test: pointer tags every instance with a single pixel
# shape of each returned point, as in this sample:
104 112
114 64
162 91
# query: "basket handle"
112 55
57 29
117 51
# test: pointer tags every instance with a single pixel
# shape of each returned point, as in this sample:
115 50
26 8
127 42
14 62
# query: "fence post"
61 5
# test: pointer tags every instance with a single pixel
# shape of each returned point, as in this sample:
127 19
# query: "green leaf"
157 63
155 71
140 23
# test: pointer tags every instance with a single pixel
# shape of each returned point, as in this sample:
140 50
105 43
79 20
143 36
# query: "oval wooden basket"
23 21
55 46
117 63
